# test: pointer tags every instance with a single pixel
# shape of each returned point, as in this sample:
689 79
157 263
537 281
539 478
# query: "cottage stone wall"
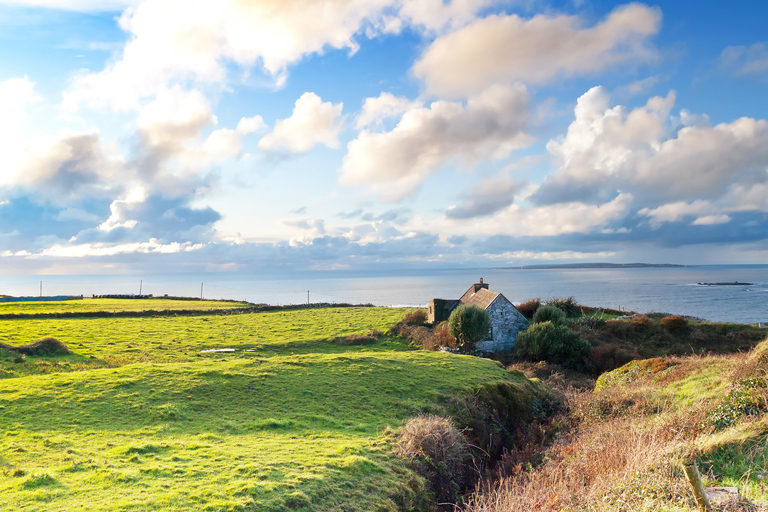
506 322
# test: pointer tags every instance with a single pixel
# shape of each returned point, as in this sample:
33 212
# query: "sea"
674 290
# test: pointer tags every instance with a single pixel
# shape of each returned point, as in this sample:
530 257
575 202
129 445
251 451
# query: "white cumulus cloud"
609 149
312 122
396 162
508 48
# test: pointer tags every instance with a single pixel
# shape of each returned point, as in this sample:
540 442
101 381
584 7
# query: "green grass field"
138 419
112 305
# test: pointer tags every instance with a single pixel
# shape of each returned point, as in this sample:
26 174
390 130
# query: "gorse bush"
552 343
549 314
674 323
641 321
529 307
469 324
567 305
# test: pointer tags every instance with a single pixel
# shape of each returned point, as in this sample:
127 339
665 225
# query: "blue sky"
168 135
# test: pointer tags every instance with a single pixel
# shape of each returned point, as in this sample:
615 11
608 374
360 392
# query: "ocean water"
669 290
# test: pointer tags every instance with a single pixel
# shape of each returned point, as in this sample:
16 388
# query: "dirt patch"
44 347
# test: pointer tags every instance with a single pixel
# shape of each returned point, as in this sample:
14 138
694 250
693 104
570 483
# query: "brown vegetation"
620 448
43 347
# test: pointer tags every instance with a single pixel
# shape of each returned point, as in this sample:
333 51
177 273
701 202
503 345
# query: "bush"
439 452
552 343
469 324
441 337
418 317
605 358
420 335
589 323
674 323
44 347
566 305
549 314
641 321
529 307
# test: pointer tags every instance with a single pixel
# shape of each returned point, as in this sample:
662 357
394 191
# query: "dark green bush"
567 305
549 314
552 343
469 324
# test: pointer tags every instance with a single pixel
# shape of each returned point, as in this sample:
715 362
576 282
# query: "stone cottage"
506 320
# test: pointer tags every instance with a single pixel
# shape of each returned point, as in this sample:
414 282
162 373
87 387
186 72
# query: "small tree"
469 324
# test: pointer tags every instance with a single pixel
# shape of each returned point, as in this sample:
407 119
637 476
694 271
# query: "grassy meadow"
138 419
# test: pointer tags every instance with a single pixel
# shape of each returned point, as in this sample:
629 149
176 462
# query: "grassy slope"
300 423
629 436
88 305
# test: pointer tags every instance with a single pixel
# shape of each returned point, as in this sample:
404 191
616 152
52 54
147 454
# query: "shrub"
641 321
552 343
418 317
567 305
441 337
44 347
469 324
549 314
529 307
589 323
610 356
420 335
674 323
438 451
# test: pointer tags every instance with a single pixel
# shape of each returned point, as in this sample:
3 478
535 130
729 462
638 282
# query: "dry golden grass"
621 447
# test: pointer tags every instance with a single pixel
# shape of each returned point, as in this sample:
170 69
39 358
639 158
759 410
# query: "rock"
722 495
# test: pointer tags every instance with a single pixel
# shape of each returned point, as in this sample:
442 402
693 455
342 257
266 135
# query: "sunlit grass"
291 420
113 305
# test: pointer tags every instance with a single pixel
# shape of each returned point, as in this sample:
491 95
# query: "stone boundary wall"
177 312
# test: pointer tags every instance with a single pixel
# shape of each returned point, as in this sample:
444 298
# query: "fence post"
692 474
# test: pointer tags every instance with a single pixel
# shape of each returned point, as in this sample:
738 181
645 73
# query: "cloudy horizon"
204 136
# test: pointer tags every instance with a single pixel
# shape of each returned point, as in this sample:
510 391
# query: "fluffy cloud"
544 221
312 122
385 106
607 150
174 41
507 48
15 94
746 60
68 167
486 198
95 195
396 162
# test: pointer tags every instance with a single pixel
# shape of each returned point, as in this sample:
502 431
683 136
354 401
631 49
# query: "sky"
265 135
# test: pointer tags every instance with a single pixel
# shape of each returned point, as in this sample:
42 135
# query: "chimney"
479 285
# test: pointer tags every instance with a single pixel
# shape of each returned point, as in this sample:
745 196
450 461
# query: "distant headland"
603 265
